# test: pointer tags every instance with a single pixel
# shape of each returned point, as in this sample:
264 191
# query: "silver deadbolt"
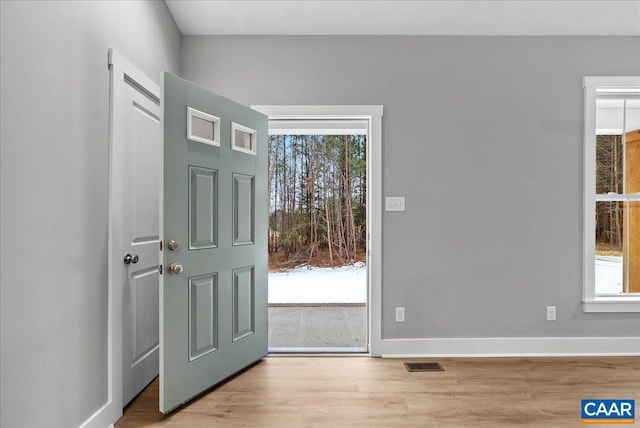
131 259
173 245
175 268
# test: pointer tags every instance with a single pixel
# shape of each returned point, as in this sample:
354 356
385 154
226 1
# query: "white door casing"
373 115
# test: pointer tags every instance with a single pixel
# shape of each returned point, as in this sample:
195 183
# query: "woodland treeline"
609 179
318 193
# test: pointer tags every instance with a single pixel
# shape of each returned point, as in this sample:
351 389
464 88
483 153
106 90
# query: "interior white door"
140 239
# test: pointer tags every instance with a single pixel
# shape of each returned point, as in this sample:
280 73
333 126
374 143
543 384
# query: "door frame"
372 114
119 69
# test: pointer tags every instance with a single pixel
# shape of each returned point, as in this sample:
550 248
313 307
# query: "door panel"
145 320
141 238
243 302
203 315
145 193
243 209
214 312
203 208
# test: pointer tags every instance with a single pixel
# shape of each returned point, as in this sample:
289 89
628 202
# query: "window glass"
202 128
617 183
243 140
610 234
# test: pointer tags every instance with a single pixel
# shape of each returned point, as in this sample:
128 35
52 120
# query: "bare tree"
317 194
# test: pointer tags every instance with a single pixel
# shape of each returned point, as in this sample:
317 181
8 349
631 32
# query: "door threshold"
324 351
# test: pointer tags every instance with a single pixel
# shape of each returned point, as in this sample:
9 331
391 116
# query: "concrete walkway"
317 326
318 309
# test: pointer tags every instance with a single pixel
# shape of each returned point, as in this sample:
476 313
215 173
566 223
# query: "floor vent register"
424 367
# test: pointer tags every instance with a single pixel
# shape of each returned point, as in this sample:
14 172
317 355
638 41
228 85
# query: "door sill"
319 350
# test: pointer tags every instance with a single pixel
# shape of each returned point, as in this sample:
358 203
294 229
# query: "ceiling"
407 17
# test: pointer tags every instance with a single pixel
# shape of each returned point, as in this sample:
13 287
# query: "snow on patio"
608 275
346 284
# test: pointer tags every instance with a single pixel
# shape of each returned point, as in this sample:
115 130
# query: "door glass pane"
243 140
609 242
202 128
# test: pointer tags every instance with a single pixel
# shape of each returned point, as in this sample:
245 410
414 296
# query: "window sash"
594 87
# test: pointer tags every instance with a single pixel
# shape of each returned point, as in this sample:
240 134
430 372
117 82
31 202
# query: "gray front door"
213 319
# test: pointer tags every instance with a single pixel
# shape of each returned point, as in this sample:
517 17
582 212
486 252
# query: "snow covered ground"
608 274
346 284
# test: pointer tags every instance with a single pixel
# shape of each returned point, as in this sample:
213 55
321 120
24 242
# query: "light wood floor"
365 392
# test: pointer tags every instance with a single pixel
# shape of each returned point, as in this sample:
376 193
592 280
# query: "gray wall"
54 175
483 136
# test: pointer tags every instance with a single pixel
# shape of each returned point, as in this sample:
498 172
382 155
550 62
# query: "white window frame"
592 302
191 112
246 130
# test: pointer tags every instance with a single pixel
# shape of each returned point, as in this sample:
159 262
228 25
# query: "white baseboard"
103 417
511 347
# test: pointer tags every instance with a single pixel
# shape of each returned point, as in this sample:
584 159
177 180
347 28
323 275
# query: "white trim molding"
611 304
103 417
511 347
373 115
592 302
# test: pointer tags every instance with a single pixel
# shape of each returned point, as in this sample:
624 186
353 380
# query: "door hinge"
160 245
160 269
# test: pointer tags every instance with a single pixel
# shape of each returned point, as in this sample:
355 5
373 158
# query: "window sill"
612 304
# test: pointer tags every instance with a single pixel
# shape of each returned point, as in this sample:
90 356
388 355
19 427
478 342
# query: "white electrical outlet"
399 314
394 203
551 313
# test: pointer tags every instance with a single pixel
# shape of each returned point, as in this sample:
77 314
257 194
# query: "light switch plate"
394 203
551 313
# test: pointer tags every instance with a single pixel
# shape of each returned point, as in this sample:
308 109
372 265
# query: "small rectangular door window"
203 127
243 139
